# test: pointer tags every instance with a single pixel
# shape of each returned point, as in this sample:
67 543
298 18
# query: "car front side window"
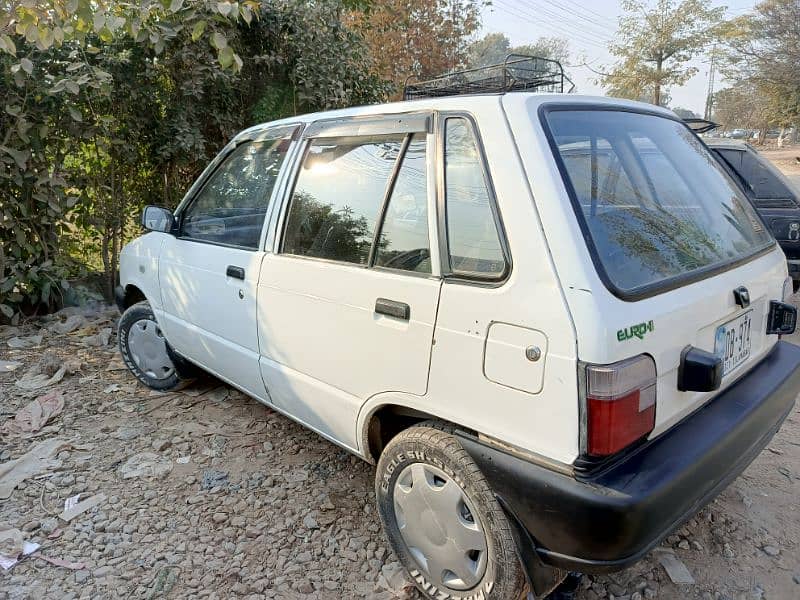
231 206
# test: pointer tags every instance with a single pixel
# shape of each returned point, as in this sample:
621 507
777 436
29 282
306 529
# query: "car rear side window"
655 204
474 245
338 195
230 207
762 178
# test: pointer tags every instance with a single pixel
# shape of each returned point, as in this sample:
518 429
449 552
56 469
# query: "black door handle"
392 308
237 272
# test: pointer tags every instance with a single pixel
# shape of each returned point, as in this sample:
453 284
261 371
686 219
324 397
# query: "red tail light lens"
620 404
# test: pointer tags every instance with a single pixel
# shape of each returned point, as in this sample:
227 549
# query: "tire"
430 454
140 340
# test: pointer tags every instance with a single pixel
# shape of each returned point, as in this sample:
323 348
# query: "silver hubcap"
148 348
438 524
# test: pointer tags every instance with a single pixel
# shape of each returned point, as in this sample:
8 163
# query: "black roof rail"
517 73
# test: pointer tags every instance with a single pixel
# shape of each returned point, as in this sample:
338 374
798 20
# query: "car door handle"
392 308
233 271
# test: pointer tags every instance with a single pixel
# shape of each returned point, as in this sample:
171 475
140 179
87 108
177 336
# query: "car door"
208 272
348 301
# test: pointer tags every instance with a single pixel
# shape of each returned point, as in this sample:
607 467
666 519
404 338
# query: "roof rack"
517 73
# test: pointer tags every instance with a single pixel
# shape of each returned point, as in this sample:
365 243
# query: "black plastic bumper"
119 298
608 521
794 268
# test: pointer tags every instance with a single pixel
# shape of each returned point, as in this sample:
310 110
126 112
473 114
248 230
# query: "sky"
589 25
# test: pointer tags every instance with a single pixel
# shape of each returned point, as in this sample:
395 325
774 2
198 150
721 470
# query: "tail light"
620 404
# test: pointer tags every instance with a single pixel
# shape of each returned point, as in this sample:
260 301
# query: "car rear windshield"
655 204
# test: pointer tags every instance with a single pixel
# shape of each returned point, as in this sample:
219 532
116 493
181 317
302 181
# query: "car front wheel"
146 352
443 520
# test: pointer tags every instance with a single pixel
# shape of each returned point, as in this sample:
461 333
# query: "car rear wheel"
443 520
146 352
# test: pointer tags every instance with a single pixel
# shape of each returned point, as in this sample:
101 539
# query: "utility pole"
711 75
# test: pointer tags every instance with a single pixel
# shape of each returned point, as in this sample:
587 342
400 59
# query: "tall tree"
417 38
685 113
109 105
655 43
494 47
741 106
763 56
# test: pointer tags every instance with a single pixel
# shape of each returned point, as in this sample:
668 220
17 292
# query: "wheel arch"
130 294
384 418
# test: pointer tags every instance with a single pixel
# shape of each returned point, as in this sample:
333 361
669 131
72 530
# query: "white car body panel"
208 316
138 266
318 328
306 339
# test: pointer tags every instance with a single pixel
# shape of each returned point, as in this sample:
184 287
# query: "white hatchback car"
552 321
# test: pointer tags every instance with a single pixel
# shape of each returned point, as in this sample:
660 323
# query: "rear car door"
208 272
348 301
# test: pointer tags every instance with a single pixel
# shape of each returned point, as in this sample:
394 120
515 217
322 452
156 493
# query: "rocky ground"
207 493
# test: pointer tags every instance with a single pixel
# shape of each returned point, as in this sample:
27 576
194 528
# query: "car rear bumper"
794 268
609 520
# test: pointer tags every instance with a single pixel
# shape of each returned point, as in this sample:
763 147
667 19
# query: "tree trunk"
106 259
657 85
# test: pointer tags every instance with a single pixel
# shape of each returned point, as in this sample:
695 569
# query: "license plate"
732 342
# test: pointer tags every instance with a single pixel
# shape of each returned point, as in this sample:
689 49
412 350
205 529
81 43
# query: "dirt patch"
207 493
786 159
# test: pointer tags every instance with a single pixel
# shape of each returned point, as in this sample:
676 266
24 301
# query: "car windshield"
654 201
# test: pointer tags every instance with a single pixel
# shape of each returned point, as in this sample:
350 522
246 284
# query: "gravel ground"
235 500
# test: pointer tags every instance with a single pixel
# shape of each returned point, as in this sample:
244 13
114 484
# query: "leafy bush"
110 106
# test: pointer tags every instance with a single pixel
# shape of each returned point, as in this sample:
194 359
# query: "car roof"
454 103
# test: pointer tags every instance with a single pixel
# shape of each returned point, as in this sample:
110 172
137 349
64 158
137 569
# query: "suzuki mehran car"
553 322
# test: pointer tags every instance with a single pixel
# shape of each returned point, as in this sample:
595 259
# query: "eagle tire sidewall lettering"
394 459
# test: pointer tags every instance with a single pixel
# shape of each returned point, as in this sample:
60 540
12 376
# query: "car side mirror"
155 218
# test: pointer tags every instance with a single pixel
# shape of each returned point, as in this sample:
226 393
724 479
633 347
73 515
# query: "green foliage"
109 106
494 47
277 101
417 38
685 113
762 54
656 43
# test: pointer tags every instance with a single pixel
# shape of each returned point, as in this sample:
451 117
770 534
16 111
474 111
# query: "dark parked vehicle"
773 195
